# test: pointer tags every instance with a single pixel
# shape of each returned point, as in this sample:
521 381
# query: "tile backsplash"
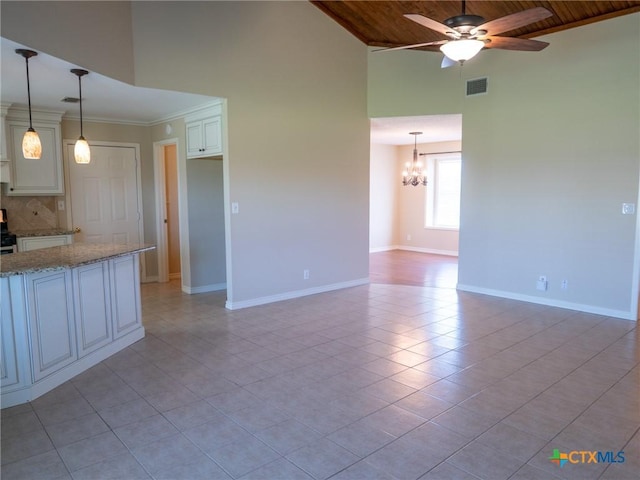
30 213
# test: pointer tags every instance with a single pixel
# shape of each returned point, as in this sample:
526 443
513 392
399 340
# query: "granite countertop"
65 256
43 232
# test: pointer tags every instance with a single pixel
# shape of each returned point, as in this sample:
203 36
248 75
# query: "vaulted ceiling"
382 24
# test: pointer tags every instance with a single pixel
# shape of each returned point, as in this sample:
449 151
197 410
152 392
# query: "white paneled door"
104 195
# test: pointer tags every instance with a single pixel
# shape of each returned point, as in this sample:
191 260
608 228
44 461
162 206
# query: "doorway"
172 219
105 195
168 215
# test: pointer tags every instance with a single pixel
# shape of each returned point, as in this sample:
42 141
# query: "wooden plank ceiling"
381 23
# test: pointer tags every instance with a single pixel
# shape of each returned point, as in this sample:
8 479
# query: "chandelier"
413 173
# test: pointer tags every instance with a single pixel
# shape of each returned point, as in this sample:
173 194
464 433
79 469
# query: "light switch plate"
235 208
628 208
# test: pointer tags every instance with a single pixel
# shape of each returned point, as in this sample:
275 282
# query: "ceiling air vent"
477 86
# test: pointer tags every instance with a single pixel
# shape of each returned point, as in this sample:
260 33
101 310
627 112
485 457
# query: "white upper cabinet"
35 177
204 132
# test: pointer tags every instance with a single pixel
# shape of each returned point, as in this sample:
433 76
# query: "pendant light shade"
81 151
31 146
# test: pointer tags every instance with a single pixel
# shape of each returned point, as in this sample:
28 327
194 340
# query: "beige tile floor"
373 382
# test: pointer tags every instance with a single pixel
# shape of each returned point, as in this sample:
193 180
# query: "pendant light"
81 151
31 146
413 173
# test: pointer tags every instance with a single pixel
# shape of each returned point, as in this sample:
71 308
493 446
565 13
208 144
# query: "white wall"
549 156
383 198
206 224
297 124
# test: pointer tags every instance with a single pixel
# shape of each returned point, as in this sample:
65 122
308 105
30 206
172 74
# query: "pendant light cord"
80 92
28 92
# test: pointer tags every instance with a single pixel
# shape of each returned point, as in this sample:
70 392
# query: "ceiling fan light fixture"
462 50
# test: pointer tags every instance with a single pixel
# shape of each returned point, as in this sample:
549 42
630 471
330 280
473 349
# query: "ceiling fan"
468 34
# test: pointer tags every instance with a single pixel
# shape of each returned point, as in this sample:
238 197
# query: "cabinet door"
125 294
36 177
9 374
194 139
212 128
33 243
92 302
51 321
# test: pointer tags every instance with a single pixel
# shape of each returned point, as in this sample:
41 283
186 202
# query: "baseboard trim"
204 289
433 251
383 249
580 307
295 294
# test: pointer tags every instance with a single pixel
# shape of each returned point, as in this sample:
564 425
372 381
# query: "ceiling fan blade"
513 21
511 43
447 62
432 24
417 45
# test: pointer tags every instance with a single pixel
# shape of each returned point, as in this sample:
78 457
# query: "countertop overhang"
42 232
65 256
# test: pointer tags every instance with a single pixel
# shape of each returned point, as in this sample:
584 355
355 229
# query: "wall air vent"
70 100
477 86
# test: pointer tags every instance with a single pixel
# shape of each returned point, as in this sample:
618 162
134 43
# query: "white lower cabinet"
51 321
12 374
92 304
56 324
124 299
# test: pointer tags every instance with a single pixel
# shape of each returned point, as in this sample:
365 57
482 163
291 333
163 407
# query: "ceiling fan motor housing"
464 23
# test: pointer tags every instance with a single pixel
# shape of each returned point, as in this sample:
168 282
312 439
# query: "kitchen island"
63 310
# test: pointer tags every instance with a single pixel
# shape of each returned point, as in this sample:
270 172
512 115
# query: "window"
443 190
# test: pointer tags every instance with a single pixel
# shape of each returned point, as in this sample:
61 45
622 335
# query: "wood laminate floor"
401 267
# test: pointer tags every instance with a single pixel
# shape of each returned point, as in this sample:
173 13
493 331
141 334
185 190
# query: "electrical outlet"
305 274
542 283
60 205
409 237
564 284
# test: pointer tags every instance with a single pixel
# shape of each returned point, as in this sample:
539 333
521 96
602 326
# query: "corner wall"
549 156
297 125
